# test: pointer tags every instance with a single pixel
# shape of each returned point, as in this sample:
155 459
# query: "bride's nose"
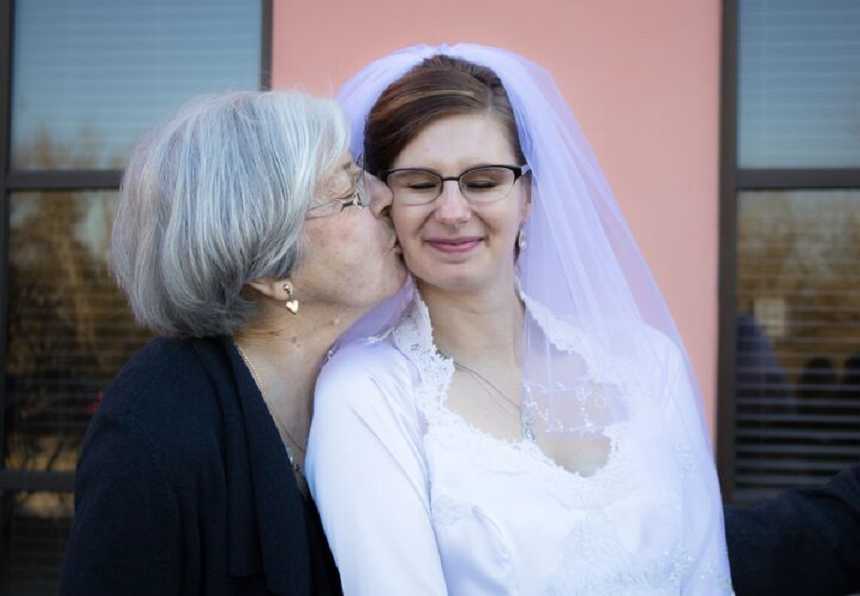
451 206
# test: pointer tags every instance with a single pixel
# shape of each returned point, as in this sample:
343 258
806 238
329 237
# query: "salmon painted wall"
641 77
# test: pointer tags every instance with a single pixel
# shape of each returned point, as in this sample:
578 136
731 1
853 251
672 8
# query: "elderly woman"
241 237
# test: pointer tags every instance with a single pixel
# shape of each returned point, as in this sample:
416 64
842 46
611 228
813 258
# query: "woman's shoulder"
367 381
622 339
158 372
165 394
363 364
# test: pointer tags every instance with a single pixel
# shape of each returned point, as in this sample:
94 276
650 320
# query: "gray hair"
216 198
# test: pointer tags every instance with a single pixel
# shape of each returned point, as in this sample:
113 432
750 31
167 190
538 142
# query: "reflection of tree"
69 327
42 151
798 282
805 250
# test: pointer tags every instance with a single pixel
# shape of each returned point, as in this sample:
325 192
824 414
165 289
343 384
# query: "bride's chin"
460 283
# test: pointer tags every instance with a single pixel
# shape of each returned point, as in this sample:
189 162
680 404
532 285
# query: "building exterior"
729 131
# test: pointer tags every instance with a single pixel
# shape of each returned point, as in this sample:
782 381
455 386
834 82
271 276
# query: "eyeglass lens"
480 185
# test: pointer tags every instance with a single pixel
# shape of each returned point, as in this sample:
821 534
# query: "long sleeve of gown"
366 473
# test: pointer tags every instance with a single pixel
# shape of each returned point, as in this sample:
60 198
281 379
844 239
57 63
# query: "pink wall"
642 77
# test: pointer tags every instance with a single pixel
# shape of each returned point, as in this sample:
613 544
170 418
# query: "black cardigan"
184 487
804 542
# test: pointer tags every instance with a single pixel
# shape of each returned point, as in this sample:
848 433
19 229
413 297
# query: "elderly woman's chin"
358 296
399 269
390 276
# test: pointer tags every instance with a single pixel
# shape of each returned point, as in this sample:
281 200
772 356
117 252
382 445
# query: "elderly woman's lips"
454 245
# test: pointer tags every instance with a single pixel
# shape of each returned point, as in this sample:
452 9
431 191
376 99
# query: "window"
79 83
790 245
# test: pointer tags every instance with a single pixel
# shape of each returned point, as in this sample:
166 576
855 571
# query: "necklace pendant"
527 419
528 433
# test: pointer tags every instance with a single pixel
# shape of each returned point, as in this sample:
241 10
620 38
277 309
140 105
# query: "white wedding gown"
416 501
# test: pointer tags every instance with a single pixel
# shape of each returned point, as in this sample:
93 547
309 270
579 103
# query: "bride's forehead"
461 140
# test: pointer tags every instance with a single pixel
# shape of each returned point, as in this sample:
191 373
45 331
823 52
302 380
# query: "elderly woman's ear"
278 289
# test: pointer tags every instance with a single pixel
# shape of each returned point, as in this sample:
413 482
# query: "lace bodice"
491 516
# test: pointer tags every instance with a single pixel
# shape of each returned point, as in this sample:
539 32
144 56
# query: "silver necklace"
525 423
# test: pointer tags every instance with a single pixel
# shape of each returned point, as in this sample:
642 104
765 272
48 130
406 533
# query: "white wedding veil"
601 352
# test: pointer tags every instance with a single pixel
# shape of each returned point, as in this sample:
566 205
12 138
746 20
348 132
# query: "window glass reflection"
70 328
34 527
798 339
798 84
89 76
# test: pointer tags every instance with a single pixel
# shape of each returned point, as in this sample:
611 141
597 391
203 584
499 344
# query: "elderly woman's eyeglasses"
356 198
481 185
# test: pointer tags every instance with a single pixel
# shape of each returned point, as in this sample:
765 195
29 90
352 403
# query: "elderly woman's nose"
379 193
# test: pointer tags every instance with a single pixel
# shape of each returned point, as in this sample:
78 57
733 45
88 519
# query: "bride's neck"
475 326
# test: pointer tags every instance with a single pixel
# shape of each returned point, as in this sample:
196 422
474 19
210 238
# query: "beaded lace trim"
592 541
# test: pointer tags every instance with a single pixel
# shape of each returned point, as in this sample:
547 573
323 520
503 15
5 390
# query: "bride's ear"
526 206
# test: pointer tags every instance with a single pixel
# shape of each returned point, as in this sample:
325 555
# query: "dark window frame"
733 180
70 180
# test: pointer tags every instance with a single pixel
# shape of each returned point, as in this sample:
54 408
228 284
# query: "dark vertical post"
6 21
266 45
728 250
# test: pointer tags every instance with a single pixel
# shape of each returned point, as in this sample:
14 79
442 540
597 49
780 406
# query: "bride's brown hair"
439 87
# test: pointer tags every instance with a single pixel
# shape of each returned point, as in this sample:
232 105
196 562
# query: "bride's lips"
454 245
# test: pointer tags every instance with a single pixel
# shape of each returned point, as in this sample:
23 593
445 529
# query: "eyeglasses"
356 198
481 185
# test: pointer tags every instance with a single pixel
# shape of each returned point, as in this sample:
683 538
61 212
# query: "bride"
522 418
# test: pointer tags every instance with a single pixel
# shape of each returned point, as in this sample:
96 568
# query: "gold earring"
291 304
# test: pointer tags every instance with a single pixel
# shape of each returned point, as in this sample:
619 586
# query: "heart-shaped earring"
291 304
